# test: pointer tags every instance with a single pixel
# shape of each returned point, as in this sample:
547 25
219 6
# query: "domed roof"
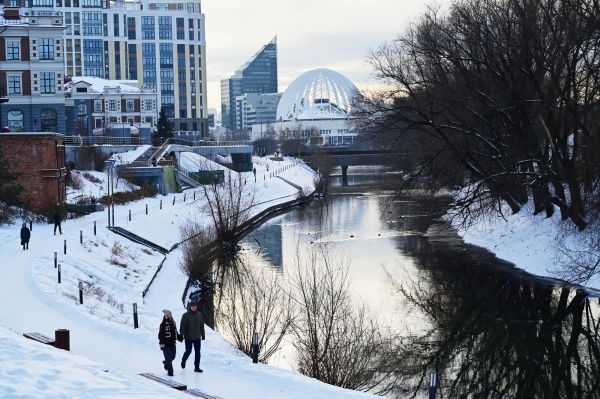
317 94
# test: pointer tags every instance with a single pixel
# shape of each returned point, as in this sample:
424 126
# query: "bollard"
62 339
194 196
80 293
255 348
30 225
160 204
130 215
146 209
108 209
59 274
65 247
55 260
135 316
432 384
94 227
81 236
184 195
173 200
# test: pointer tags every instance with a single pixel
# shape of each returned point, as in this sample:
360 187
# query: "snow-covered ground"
532 242
94 184
114 272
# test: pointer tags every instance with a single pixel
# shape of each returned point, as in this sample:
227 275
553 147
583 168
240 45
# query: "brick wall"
41 165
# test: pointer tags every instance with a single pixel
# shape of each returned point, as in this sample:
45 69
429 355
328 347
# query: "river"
488 329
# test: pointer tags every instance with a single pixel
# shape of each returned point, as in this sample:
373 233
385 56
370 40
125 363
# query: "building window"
91 3
165 28
46 49
148 105
98 106
148 28
82 110
130 27
129 105
98 123
48 121
180 29
13 50
14 84
47 83
113 105
42 3
15 121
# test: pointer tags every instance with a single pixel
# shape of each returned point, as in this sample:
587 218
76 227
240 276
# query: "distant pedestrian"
192 330
25 236
167 335
57 221
254 171
267 166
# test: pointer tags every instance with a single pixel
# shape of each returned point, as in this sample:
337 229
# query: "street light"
110 190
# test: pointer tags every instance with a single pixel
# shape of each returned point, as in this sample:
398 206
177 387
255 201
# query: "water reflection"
490 330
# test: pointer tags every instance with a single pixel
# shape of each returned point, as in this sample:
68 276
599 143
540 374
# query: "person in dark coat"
25 236
57 219
192 330
167 335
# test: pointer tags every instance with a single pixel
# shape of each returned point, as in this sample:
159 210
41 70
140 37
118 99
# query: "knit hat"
167 313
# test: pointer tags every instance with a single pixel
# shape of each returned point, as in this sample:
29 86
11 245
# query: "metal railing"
156 157
206 143
81 141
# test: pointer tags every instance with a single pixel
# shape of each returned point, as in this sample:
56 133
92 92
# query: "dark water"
488 329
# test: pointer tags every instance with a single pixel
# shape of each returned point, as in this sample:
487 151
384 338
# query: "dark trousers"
25 244
169 353
188 351
59 228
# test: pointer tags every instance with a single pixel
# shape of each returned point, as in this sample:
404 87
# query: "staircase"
144 159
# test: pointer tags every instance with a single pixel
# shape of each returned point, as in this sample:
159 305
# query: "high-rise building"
159 43
258 75
253 108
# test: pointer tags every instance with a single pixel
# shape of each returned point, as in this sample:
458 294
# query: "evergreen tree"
164 127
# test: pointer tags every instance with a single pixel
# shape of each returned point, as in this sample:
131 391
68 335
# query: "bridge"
357 154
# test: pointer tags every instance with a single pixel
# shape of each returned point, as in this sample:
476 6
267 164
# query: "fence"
206 143
81 141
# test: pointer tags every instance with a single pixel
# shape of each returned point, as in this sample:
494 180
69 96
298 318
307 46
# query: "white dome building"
319 100
317 94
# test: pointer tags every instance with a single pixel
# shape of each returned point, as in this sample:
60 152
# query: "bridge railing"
85 141
206 143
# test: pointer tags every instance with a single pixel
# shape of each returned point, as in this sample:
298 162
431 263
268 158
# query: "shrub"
125 197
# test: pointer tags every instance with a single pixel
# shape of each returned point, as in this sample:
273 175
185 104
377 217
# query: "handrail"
159 152
206 143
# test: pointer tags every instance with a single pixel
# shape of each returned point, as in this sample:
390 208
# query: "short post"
80 293
184 195
81 236
55 260
65 247
432 384
94 227
173 200
62 339
135 316
194 196
146 209
30 225
160 204
108 209
59 274
255 348
130 215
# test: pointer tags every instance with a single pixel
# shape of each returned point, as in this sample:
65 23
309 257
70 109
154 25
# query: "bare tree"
336 342
259 304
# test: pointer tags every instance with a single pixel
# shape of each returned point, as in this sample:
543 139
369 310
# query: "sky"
335 34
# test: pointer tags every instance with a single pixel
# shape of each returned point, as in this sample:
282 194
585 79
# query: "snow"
96 186
531 242
98 85
114 272
128 157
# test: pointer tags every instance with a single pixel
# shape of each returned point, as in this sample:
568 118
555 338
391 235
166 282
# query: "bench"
39 338
164 381
199 394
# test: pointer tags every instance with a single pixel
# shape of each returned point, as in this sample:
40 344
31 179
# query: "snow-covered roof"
99 85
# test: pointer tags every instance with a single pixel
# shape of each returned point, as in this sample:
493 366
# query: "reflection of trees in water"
493 336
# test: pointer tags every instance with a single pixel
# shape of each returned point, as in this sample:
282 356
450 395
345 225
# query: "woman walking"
167 336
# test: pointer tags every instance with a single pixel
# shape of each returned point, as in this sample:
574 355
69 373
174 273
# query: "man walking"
56 218
192 330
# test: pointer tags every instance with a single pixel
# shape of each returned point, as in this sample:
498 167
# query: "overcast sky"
336 34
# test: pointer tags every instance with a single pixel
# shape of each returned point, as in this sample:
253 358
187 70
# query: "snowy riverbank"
532 242
115 271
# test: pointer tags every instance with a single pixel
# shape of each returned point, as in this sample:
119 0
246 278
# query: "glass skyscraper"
258 75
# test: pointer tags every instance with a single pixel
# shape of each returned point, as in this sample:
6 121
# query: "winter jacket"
192 325
56 218
25 234
167 333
